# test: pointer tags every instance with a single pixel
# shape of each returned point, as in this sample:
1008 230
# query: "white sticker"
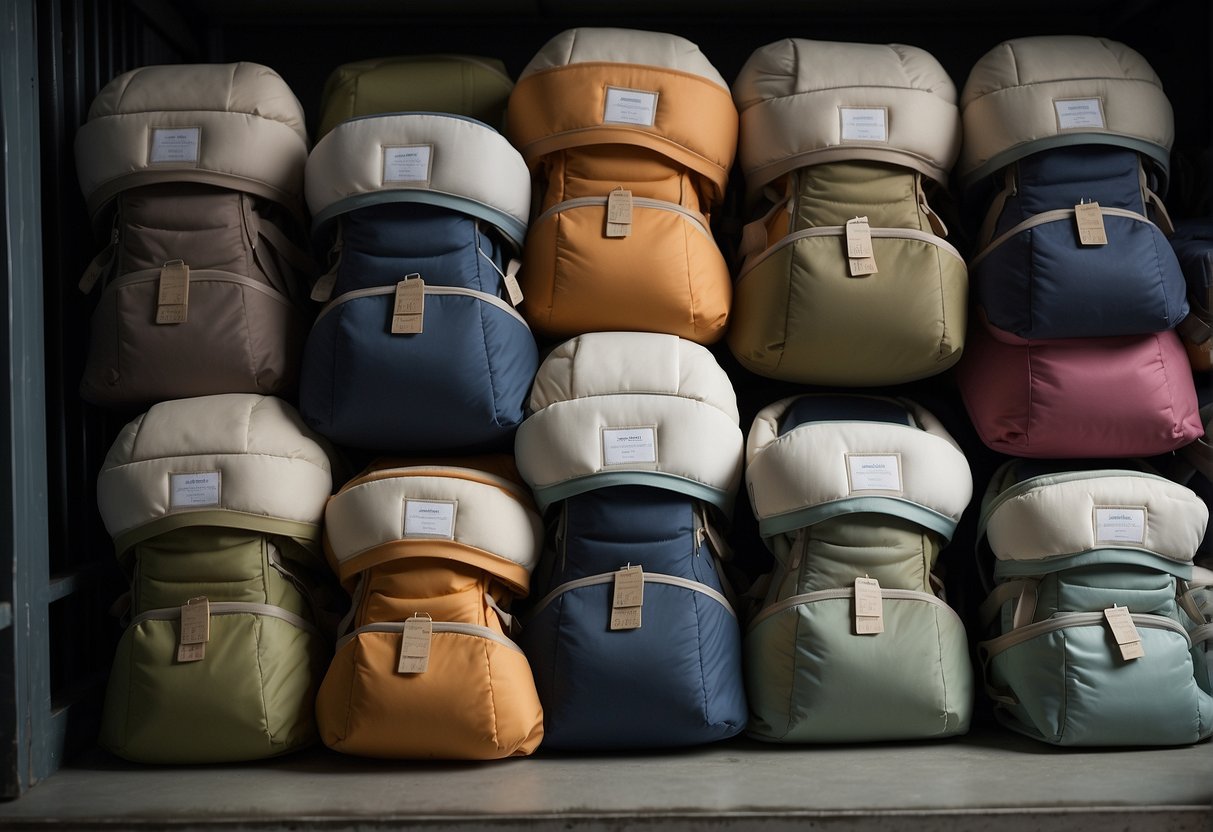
1079 113
406 164
875 472
429 518
864 124
192 490
629 107
625 446
1117 524
175 144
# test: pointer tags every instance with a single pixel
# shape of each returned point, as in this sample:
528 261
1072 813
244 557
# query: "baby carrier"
194 172
846 277
629 137
466 85
214 504
1094 635
432 554
418 347
855 496
633 451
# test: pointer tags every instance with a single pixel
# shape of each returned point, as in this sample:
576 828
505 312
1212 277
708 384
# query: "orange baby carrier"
629 137
425 667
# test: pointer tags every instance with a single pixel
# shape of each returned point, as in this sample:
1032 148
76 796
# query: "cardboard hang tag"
1089 219
415 642
1128 639
627 599
195 629
408 310
619 213
173 297
869 607
860 256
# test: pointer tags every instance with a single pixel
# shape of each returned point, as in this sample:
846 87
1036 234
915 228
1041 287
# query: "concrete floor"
990 780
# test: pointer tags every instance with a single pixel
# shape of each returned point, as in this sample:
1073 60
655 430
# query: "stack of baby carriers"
1077 291
1098 626
418 347
194 175
851 638
629 137
633 451
215 504
845 275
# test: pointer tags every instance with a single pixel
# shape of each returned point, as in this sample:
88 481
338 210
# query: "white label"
1079 113
629 107
864 124
406 164
175 144
1120 525
192 490
874 472
429 518
624 446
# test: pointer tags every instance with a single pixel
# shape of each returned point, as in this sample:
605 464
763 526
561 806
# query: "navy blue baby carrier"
419 347
632 636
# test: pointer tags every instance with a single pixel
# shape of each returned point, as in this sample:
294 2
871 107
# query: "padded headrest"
805 102
1089 514
620 86
237 460
1035 93
811 468
465 85
233 125
479 513
627 408
433 158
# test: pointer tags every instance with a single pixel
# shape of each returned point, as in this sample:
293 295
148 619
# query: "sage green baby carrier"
215 506
1098 633
855 496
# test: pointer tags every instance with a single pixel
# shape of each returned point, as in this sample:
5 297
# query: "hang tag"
619 213
415 645
172 302
869 607
512 288
1120 620
628 598
859 247
408 313
195 629
1090 224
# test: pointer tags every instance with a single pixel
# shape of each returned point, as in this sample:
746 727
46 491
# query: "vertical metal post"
29 751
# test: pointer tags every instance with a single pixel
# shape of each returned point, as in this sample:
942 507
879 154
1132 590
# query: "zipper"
1055 215
649 578
200 275
841 593
693 217
839 231
458 628
231 608
1062 621
373 291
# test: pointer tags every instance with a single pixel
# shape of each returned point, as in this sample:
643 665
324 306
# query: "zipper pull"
102 263
933 219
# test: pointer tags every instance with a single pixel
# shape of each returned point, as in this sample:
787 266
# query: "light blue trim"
1159 154
657 479
870 504
1092 557
511 226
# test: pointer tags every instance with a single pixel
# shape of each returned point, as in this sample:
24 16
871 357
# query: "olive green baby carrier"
215 506
1098 630
855 496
